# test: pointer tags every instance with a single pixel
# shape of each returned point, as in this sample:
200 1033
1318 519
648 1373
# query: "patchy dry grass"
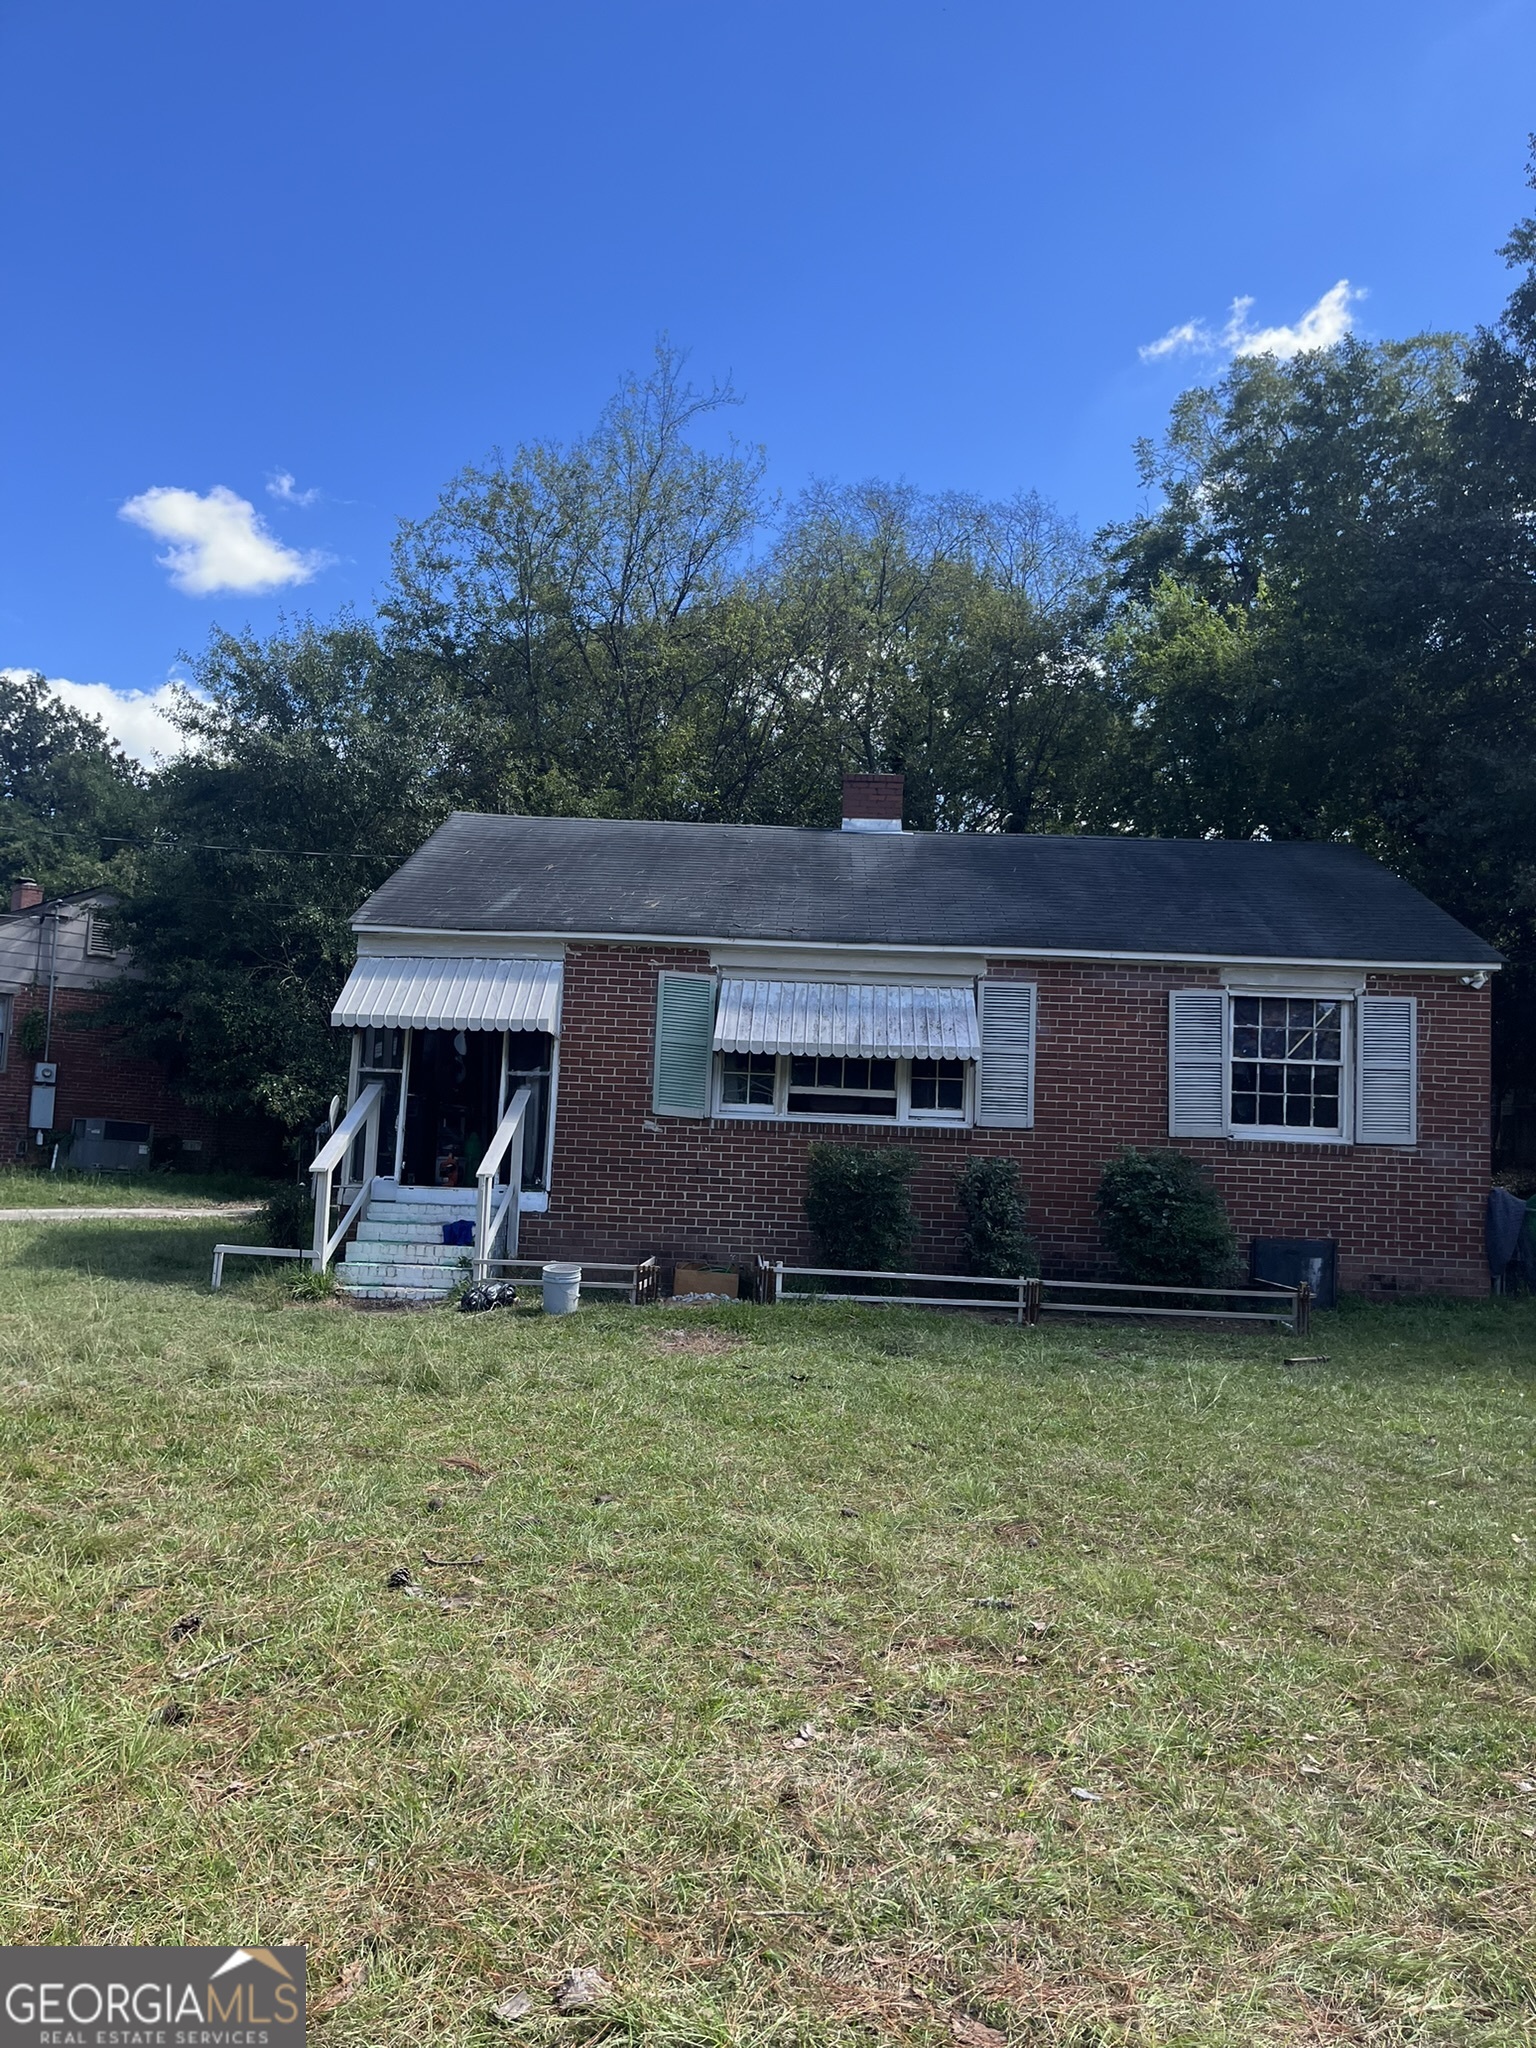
766 1667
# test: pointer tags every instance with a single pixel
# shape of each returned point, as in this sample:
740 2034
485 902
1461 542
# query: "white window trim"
906 1117
1289 1134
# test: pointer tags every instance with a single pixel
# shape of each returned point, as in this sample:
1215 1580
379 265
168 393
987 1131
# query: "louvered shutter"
1388 1071
685 1029
1197 1062
1005 1097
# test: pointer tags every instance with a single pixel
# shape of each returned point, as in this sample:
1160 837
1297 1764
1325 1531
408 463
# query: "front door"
451 1106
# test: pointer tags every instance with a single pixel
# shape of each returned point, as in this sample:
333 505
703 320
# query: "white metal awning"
861 1020
391 991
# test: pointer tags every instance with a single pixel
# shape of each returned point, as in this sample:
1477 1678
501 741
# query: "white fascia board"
372 943
525 943
868 963
1314 980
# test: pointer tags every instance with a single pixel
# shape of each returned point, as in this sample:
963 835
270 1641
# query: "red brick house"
692 1006
63 1075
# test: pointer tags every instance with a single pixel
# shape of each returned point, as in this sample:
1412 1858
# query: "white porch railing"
362 1116
491 1215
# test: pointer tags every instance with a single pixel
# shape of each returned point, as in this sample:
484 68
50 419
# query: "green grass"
767 1660
26 1187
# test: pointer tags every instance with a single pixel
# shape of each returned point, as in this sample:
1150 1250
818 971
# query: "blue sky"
357 245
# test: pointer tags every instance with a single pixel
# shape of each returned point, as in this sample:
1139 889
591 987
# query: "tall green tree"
315 762
71 801
564 595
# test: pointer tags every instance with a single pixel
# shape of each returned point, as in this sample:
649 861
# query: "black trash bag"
490 1294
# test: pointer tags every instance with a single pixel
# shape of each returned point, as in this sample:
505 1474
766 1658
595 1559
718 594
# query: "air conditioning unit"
105 1144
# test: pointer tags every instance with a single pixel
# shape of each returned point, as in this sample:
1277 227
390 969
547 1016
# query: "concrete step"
437 1213
385 1230
386 1293
373 1252
437 1277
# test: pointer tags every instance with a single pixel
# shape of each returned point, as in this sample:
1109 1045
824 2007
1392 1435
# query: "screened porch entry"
450 1042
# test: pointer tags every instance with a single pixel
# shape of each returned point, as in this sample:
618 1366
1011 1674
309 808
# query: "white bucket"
562 1289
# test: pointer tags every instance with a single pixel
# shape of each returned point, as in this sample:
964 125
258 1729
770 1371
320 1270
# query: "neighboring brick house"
695 1005
98 1103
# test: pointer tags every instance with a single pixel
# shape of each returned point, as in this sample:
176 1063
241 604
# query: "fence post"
1303 1309
1036 1289
778 1283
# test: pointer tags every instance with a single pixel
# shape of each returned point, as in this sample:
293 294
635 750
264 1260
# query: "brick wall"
625 1182
97 1077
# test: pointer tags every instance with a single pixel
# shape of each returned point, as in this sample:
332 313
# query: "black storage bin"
1288 1261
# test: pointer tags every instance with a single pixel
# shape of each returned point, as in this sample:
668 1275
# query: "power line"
276 852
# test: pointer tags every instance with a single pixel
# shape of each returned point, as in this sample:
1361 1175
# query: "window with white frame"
1319 1067
1287 1064
843 1089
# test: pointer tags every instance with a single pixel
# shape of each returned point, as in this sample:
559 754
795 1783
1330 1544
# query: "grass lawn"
820 1676
25 1187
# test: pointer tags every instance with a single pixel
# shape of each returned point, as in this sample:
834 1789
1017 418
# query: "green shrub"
1163 1222
858 1206
289 1217
995 1207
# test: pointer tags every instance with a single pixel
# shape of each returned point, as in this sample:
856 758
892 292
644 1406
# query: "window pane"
841 1104
1286 1054
383 1051
882 1074
802 1073
746 1078
938 1087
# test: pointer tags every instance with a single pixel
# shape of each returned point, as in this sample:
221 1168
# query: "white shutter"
1005 1095
1388 1071
685 1030
1197 1063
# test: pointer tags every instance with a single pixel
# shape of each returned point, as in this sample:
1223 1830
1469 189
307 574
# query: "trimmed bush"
858 1205
289 1217
1163 1222
995 1207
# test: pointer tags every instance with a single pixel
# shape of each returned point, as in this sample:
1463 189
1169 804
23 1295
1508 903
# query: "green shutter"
1388 1071
685 1030
1006 1097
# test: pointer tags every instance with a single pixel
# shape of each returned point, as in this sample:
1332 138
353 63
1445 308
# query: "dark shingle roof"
1181 898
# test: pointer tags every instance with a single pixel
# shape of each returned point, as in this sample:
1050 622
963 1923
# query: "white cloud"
1319 327
284 486
217 542
136 719
1190 335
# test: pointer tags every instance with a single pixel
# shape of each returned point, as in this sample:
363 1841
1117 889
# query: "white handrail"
362 1116
489 1216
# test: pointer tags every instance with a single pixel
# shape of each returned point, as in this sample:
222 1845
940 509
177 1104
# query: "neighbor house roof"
1223 899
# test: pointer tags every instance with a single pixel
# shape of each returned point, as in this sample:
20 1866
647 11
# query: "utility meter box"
45 1076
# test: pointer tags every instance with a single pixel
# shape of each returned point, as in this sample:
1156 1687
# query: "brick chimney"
25 894
872 803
